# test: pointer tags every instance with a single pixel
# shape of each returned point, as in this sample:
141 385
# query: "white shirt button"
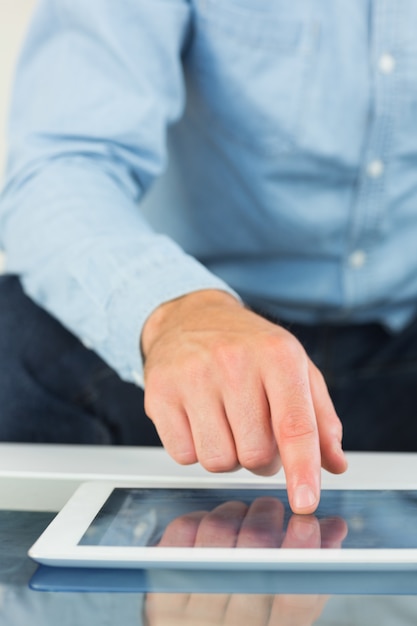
375 168
357 259
87 344
386 63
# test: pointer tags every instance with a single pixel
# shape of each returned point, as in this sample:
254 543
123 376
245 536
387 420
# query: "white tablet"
230 527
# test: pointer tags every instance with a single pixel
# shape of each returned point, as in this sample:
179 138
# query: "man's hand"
229 389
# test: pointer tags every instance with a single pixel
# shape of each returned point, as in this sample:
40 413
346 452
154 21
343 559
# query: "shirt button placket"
363 279
357 259
386 63
375 168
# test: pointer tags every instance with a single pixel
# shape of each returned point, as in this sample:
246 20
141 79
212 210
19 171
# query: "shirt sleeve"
97 85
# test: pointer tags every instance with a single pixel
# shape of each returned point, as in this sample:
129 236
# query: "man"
283 244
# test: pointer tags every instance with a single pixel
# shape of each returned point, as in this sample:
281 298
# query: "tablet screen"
372 519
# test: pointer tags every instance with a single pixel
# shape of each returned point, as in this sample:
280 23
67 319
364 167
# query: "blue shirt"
292 178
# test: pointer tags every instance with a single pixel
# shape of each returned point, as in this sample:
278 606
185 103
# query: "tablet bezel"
58 545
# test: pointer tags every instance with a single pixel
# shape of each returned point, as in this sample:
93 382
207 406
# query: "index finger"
295 428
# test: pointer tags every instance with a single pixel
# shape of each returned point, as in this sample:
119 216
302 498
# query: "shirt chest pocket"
249 72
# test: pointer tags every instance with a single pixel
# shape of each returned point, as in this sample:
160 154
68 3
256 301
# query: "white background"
14 16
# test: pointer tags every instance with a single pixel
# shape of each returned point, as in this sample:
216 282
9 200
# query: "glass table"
35 483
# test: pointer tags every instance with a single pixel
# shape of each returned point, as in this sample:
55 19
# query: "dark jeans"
53 389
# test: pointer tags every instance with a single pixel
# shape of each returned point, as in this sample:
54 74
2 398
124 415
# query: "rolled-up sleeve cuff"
117 338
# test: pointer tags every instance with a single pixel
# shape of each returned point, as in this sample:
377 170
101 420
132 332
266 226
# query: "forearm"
83 251
96 88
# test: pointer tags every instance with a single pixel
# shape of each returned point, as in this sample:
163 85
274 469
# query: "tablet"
221 581
250 526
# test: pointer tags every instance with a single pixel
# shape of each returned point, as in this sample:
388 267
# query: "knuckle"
290 342
217 463
178 447
255 458
230 357
226 357
230 365
285 348
196 368
297 424
184 457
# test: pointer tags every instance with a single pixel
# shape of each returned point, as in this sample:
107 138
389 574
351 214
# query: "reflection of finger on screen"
220 528
248 610
296 610
182 531
333 531
303 531
206 609
161 607
263 524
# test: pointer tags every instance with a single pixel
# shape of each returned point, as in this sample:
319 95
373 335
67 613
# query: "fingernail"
304 497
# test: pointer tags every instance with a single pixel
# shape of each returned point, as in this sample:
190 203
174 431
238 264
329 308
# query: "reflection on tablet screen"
249 518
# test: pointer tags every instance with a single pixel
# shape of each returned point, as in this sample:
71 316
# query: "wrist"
181 307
